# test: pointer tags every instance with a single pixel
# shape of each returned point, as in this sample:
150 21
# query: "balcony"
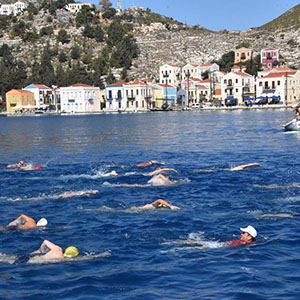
268 90
131 98
229 86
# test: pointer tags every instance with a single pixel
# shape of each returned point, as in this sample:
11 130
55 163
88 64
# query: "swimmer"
49 252
242 167
159 179
159 203
159 170
297 112
248 236
283 215
76 193
19 164
112 173
25 222
30 167
149 163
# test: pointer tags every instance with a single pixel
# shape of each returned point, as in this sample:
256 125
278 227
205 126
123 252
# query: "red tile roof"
165 85
115 84
200 86
41 86
80 85
206 65
280 74
243 74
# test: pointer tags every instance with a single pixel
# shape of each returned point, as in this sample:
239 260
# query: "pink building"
268 56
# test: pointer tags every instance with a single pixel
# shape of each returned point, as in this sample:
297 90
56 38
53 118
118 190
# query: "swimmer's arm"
161 201
242 167
16 221
88 257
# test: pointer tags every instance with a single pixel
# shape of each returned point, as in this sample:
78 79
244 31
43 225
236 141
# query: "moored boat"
293 125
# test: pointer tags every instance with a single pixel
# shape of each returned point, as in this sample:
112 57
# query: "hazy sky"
216 14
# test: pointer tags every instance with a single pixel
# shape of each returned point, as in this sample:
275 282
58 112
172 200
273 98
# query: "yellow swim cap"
71 252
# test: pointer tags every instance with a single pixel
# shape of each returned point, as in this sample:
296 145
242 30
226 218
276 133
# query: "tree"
88 31
62 57
46 70
115 33
47 30
98 34
109 13
63 36
75 52
105 5
85 16
110 77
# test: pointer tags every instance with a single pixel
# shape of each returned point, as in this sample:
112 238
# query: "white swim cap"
42 222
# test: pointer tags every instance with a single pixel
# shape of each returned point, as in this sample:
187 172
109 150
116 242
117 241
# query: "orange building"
242 54
19 100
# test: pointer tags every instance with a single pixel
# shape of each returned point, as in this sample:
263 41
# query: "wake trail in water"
196 241
276 186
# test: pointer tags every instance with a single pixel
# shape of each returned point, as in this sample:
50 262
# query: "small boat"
293 125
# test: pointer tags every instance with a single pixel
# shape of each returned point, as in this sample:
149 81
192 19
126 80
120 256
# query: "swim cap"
71 252
39 167
42 222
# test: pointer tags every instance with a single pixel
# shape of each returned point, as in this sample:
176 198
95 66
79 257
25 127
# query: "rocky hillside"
288 20
160 40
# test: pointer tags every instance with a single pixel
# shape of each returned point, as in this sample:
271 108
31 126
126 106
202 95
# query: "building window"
278 83
237 90
260 84
109 94
236 81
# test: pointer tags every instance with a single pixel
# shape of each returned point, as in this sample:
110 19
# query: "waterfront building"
197 90
42 94
237 86
191 70
158 97
242 54
169 93
138 95
273 70
284 86
268 56
13 8
114 94
19 100
80 98
170 74
209 68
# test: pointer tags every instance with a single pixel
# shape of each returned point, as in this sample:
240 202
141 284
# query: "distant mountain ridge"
289 19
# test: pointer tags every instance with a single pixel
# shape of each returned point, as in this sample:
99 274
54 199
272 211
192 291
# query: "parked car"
196 105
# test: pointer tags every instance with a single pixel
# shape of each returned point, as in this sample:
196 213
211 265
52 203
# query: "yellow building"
242 54
158 97
17 100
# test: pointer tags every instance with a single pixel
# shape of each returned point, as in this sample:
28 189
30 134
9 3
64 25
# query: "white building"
190 70
12 9
42 94
237 85
138 95
282 85
77 6
115 97
170 74
210 68
80 98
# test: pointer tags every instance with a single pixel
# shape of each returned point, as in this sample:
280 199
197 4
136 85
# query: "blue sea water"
154 254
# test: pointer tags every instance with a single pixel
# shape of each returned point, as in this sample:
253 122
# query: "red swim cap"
39 167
